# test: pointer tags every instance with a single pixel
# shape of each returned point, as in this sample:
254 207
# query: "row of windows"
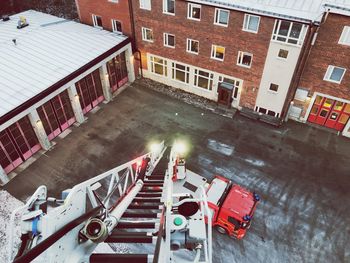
244 59
116 25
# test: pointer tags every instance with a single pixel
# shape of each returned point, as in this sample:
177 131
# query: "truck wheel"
221 230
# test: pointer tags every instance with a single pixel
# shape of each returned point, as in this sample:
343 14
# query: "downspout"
133 36
302 63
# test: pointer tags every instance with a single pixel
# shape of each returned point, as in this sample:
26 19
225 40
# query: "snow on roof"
46 51
304 10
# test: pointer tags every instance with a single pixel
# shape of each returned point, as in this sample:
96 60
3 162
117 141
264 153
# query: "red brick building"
257 55
323 96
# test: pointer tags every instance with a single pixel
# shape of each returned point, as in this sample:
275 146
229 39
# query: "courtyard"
301 172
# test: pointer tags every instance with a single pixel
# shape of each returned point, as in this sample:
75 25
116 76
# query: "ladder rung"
131 239
141 215
139 225
142 194
145 207
121 258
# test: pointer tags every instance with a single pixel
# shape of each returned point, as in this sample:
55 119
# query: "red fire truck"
232 207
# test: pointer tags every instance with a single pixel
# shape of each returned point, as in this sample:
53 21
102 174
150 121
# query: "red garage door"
117 71
17 143
56 115
330 113
90 91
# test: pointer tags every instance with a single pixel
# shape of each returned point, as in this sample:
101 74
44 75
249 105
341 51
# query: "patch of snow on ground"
7 204
258 163
220 147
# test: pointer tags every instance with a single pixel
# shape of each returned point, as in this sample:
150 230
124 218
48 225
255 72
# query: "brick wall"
327 51
231 37
107 10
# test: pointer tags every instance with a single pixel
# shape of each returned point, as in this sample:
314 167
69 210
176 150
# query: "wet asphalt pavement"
302 173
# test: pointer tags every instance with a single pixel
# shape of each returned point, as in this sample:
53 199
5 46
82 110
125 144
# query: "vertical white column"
39 130
346 131
106 87
3 176
74 100
130 63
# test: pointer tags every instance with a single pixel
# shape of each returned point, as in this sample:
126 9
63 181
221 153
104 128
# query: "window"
203 79
180 72
192 46
97 20
289 32
234 83
334 74
145 4
283 53
251 23
221 17
194 12
345 36
116 26
217 52
147 34
158 66
169 7
273 87
244 59
169 40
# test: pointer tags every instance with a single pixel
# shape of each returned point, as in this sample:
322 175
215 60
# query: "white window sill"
149 41
169 14
194 19
333 81
344 43
217 59
244 66
191 52
169 46
147 9
222 25
99 27
250 31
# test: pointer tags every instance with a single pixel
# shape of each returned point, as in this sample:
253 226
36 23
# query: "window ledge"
222 25
332 81
169 14
194 19
217 59
250 31
149 41
169 46
244 66
190 52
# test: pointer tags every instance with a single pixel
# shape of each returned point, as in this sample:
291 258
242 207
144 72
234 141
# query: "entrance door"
90 91
117 71
17 143
235 89
329 113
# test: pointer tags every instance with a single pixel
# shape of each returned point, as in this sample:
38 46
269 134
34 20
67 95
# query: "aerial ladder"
133 203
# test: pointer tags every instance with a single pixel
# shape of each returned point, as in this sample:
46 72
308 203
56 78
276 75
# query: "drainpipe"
133 35
314 28
299 69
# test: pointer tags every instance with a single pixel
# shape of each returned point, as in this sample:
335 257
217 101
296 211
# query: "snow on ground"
7 204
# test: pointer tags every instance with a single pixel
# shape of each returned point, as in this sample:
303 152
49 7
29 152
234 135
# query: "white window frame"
144 34
188 45
345 36
165 8
164 65
213 52
246 22
94 21
299 40
190 6
327 76
210 79
240 59
113 1
114 26
272 91
145 4
217 17
165 37
186 72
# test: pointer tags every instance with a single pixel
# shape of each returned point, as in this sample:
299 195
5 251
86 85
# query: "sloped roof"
304 10
46 51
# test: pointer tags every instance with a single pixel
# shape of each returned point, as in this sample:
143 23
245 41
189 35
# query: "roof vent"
5 18
22 22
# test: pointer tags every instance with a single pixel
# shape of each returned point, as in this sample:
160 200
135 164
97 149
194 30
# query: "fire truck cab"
232 207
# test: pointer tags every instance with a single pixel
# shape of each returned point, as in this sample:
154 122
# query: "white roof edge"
337 9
